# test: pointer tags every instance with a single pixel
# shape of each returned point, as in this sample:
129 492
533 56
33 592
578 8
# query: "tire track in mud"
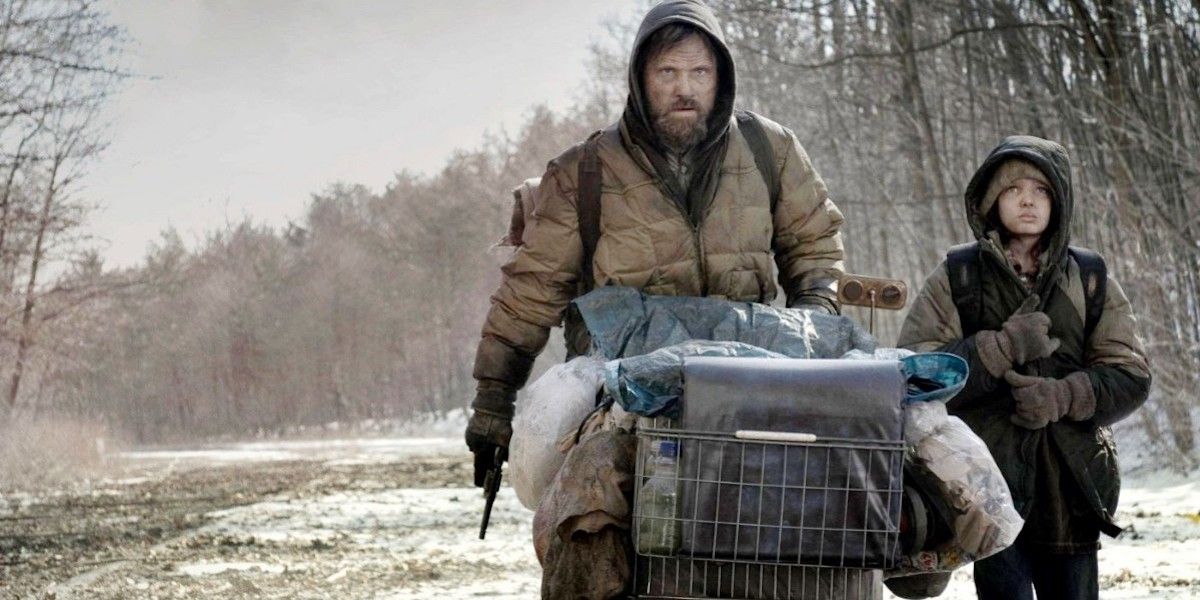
61 543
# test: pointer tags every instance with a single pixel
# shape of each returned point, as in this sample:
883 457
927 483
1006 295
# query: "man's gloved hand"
1025 336
1043 400
490 426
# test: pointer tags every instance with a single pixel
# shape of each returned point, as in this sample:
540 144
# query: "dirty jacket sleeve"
932 325
807 240
538 282
1117 364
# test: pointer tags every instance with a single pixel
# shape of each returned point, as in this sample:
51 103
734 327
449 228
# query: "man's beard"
679 133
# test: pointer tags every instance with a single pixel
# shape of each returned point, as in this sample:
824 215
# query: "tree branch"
881 54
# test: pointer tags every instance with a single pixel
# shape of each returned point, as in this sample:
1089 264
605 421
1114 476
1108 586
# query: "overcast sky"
256 104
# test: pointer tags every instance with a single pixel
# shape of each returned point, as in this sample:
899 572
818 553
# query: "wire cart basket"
762 514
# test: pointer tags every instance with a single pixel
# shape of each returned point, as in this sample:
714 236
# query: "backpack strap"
588 209
962 265
764 156
1094 274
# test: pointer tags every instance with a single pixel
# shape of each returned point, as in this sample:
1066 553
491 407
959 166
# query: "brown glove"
490 426
501 370
1022 338
491 420
1043 400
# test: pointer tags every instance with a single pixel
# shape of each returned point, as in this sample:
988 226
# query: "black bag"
831 502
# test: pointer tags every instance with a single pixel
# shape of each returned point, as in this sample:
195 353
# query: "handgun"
491 485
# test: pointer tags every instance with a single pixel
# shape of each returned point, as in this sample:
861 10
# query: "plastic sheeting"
552 406
625 323
968 479
649 336
932 376
650 385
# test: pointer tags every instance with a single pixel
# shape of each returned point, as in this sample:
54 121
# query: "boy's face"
1025 207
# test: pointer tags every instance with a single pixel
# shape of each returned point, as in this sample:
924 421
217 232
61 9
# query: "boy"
1055 359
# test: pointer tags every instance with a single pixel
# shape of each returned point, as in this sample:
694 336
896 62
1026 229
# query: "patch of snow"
437 529
215 455
408 521
206 569
514 587
127 481
449 424
339 451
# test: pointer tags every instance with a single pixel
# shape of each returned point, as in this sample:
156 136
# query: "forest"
368 308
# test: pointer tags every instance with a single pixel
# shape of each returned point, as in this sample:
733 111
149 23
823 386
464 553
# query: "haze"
254 106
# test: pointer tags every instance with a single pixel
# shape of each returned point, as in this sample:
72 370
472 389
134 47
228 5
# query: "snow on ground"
435 530
341 451
431 533
405 543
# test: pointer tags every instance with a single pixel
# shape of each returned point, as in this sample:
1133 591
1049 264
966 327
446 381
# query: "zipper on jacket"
697 243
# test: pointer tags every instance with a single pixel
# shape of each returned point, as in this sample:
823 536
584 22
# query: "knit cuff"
498 361
1083 396
494 398
994 351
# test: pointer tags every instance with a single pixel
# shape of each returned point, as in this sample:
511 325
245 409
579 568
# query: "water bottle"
659 529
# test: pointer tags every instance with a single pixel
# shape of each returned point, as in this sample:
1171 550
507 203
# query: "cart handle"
775 436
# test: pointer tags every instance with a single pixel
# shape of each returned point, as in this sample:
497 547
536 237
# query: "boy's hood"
1054 162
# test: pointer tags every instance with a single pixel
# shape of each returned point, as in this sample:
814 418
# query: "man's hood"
637 111
1052 159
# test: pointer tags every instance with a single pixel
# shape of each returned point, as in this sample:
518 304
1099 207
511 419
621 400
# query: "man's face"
1025 207
681 86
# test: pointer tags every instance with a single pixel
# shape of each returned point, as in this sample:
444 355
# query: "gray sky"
259 103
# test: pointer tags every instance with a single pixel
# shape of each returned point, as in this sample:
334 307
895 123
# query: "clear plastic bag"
969 481
553 405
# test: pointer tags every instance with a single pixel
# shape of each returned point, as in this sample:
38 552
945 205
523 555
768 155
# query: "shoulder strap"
962 265
1094 274
588 209
764 155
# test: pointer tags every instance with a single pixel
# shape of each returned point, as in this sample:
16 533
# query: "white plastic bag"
970 482
549 408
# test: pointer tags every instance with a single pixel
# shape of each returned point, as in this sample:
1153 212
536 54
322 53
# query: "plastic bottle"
659 530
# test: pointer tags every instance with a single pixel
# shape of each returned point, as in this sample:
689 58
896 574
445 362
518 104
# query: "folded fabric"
581 528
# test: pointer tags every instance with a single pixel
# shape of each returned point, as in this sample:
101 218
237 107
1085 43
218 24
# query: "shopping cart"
781 480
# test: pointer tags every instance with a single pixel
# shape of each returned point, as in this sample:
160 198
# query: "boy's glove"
1043 400
1022 338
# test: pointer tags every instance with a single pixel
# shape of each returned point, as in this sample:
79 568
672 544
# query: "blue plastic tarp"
625 322
646 339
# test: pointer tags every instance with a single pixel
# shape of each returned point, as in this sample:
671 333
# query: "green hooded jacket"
1064 478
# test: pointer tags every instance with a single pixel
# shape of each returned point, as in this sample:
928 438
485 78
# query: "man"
685 212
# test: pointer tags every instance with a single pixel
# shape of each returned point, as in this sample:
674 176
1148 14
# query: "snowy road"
390 519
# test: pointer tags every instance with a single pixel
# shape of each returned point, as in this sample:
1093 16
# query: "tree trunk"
25 339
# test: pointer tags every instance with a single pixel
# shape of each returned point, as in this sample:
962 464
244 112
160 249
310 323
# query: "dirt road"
385 519
343 524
